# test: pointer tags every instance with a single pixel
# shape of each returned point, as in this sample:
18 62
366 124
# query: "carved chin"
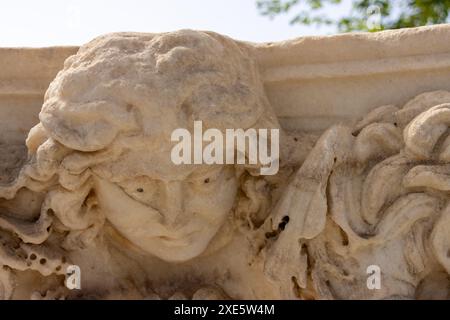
143 226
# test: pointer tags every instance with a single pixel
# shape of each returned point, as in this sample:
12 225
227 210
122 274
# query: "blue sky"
41 23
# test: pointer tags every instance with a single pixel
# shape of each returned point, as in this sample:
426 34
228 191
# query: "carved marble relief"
95 187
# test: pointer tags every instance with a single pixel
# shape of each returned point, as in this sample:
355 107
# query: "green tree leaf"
366 15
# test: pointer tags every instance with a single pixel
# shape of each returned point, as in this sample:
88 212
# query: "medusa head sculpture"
99 180
101 152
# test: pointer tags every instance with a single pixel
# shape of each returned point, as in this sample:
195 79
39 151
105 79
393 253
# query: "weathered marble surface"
86 176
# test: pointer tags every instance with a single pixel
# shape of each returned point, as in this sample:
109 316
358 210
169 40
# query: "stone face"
362 186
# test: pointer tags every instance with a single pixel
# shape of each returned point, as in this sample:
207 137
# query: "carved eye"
142 189
206 177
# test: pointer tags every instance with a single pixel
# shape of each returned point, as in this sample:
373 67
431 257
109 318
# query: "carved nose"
172 201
